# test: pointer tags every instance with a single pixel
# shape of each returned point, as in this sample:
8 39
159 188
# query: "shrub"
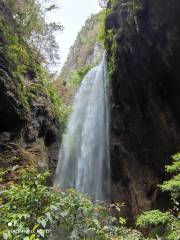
170 218
78 75
173 185
153 218
32 210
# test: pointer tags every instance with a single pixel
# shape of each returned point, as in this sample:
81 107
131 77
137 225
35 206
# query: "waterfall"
84 155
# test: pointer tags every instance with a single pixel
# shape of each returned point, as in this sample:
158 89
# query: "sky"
72 14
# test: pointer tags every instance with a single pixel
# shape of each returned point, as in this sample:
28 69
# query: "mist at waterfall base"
84 155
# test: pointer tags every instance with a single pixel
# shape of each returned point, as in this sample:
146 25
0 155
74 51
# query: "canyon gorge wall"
143 45
29 125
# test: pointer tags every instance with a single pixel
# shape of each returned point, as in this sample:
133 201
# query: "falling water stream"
84 155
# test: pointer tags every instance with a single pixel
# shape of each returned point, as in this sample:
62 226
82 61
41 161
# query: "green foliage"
29 20
16 58
46 87
27 42
101 35
162 224
31 210
77 76
79 60
171 219
24 207
173 230
61 111
173 185
91 35
175 166
27 14
111 38
130 9
13 51
154 217
129 234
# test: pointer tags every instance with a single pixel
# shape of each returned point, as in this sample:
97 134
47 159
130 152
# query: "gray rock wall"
143 44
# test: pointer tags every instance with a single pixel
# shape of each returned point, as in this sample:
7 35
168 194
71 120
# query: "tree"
29 16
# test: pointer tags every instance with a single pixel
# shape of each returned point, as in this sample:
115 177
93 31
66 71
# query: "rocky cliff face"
86 50
29 127
84 54
143 44
27 138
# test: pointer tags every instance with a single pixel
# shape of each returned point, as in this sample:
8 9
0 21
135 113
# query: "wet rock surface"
27 136
143 44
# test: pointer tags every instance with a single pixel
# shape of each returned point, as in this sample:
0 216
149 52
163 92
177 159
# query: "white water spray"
84 156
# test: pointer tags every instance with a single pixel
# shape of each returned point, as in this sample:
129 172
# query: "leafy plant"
173 185
29 19
153 218
168 222
32 210
77 76
22 29
101 35
24 206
